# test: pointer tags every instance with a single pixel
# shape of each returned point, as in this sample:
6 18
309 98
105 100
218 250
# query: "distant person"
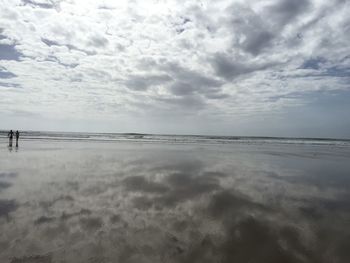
17 136
10 135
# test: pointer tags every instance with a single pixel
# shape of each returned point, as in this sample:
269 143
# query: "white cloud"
103 59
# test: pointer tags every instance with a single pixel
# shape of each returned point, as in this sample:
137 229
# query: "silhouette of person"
17 136
10 135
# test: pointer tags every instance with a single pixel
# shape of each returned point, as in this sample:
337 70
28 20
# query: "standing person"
10 135
17 136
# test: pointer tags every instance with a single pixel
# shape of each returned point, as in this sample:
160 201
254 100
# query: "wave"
139 137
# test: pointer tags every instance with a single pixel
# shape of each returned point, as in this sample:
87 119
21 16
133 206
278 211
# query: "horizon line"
199 135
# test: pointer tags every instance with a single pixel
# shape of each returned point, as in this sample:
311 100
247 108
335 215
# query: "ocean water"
186 139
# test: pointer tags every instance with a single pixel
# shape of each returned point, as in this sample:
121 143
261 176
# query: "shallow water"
134 202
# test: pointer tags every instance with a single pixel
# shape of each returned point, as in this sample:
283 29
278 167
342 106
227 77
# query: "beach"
101 201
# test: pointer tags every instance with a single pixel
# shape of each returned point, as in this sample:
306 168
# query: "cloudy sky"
227 67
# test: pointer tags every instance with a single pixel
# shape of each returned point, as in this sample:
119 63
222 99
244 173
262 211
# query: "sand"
143 202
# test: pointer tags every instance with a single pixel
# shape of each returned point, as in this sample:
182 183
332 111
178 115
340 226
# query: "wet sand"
133 202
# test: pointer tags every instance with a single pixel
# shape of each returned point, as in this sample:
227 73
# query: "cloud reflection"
7 206
163 204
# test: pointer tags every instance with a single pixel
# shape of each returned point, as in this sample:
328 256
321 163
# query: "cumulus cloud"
4 74
284 11
230 68
214 58
143 82
40 4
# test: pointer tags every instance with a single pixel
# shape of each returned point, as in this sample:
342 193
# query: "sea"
177 139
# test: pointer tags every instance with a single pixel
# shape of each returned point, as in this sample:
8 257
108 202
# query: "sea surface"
153 138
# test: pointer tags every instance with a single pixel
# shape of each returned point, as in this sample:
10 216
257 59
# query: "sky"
223 67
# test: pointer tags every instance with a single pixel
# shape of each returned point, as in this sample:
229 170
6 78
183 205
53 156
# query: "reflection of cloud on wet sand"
178 181
4 185
141 184
8 175
246 225
225 203
7 206
46 204
253 240
33 259
320 180
173 189
185 187
43 220
6 180
171 205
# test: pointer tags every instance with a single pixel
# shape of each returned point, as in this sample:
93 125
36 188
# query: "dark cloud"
256 32
257 41
191 102
105 7
10 85
9 52
50 43
181 25
249 30
40 4
188 81
182 88
143 82
72 65
313 63
284 11
98 41
336 71
321 68
1 35
205 86
217 96
229 69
